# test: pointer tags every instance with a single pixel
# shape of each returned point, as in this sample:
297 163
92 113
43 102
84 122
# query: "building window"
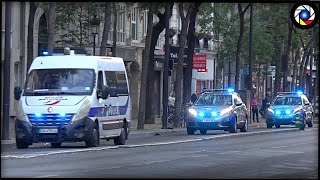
145 23
121 24
134 23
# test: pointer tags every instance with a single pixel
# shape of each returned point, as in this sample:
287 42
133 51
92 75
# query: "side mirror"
307 104
238 103
103 93
17 93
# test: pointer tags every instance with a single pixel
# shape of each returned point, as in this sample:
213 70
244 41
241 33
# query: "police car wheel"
203 131
277 125
233 127
190 131
22 145
56 145
245 127
120 140
310 123
269 125
94 139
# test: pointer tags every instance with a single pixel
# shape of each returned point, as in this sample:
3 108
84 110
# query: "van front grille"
50 119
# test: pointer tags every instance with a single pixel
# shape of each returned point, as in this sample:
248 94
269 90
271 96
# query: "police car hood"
210 108
53 100
291 107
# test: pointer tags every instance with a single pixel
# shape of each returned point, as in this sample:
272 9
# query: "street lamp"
95 24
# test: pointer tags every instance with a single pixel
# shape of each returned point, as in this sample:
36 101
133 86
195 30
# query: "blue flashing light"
38 114
288 112
277 112
62 114
230 90
214 114
45 53
300 92
201 114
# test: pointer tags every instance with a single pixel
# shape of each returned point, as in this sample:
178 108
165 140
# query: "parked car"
217 109
287 108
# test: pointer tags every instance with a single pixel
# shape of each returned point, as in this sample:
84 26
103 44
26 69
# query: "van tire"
190 131
56 145
22 145
121 140
94 139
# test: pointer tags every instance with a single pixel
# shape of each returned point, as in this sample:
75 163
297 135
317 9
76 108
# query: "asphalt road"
261 153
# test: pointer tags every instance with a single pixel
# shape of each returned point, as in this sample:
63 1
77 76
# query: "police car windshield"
60 81
208 99
287 100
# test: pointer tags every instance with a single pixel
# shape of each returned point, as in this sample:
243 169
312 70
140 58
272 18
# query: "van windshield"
60 81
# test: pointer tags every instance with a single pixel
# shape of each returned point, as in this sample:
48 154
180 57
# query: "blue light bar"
45 53
230 90
62 114
201 114
38 114
299 92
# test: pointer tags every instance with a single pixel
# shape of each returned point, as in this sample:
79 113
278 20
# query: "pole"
250 51
94 43
6 83
166 71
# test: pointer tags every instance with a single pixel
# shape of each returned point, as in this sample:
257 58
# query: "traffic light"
170 64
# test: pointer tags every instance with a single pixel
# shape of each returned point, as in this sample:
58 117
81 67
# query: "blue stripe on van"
102 111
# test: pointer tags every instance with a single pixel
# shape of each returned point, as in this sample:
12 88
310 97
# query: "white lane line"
46 176
290 167
228 152
275 147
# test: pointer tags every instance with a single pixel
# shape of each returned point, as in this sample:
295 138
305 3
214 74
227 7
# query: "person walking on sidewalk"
254 108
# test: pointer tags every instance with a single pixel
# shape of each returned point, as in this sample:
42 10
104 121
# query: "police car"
217 109
287 108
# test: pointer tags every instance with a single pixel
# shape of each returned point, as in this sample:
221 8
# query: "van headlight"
20 113
82 111
226 111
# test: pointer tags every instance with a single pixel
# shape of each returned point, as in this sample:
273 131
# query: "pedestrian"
193 97
254 108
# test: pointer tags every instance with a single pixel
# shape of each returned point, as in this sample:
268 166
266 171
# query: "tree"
182 43
30 35
187 78
114 45
144 74
239 44
50 12
106 28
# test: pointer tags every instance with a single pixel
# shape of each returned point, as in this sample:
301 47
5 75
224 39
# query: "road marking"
140 145
46 176
291 167
228 152
274 147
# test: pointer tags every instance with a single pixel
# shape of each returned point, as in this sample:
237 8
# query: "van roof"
67 61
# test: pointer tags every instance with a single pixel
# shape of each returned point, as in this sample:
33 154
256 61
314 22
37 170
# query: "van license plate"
208 120
48 130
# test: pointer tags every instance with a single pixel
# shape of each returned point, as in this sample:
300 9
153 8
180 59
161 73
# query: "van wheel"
94 139
120 140
269 125
56 145
277 125
310 123
22 145
190 131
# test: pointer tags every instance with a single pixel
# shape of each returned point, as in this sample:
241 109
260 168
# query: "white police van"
73 98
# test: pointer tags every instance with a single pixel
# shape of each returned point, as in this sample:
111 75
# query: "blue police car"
289 107
217 109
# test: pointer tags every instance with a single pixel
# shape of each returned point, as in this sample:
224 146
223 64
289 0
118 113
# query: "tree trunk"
157 29
278 75
304 70
114 45
144 73
106 28
187 78
304 59
30 35
290 29
81 26
239 44
51 29
178 83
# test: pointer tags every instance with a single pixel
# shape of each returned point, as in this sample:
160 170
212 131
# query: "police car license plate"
208 120
48 130
283 117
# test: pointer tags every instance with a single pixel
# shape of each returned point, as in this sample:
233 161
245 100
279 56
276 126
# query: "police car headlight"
20 113
270 111
193 112
82 111
226 111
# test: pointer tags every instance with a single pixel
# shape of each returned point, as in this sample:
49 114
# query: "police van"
73 98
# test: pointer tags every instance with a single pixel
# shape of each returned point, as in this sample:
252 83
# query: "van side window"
100 80
122 82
